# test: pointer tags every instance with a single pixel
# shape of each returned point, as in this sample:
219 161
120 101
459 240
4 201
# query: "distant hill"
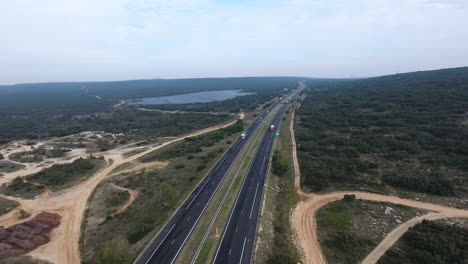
53 96
407 131
153 87
58 109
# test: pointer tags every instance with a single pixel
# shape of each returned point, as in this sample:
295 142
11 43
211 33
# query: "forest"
407 131
42 110
430 242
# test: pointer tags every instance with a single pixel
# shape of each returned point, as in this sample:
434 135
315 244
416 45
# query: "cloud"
55 40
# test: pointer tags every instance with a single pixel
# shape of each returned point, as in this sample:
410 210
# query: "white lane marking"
263 164
198 204
235 204
198 193
189 218
204 208
253 203
242 211
230 251
237 228
172 242
242 254
159 244
206 205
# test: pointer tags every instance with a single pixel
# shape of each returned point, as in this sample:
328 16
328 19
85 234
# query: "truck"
243 135
272 128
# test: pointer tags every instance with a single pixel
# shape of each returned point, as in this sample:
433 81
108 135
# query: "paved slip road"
166 246
238 240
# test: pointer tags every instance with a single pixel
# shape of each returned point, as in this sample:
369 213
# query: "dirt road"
393 237
305 227
71 204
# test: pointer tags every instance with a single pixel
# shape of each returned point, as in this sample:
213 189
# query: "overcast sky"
89 40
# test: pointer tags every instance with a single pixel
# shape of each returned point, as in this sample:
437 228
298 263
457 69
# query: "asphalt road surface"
238 240
168 243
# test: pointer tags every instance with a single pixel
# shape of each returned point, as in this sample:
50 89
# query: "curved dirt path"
71 205
398 232
305 227
131 200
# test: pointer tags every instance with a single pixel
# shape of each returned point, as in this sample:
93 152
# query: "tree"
349 197
279 166
114 199
115 251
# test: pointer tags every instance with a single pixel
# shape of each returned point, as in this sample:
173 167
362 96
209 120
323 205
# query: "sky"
100 40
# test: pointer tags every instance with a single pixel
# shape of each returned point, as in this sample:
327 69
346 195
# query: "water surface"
199 97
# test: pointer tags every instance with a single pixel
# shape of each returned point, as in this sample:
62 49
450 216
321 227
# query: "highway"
168 243
238 239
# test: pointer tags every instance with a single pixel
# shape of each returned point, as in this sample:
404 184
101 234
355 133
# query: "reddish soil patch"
21 238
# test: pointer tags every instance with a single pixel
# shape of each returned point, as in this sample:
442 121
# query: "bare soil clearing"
305 227
71 204
31 168
134 166
21 238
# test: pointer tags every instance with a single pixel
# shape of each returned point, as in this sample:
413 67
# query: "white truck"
243 135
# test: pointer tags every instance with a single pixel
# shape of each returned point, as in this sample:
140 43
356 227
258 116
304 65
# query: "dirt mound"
22 238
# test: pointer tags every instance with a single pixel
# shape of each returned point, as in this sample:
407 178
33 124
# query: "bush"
281 259
116 251
201 167
113 199
179 165
145 225
430 242
349 197
279 166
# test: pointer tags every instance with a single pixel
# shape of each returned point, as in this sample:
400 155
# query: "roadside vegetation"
404 132
350 229
274 239
160 192
202 244
194 145
437 242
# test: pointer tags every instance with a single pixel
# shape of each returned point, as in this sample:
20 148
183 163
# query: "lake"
199 97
